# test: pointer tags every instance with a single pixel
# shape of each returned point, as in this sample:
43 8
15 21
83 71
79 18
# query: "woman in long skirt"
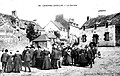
10 63
17 62
46 61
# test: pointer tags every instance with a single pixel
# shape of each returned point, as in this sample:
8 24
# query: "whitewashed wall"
100 31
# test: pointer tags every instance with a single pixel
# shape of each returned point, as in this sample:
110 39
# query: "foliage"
31 34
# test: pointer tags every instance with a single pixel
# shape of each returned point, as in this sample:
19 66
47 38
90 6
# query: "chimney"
101 13
88 18
59 18
14 13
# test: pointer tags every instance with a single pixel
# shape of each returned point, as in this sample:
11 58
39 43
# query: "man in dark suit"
89 56
27 60
54 57
93 49
4 59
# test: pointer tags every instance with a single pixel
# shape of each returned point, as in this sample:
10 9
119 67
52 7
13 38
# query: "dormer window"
83 27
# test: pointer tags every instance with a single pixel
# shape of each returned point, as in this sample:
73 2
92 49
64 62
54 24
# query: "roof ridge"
103 20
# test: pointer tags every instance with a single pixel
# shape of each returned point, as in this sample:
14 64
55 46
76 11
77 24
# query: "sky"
31 9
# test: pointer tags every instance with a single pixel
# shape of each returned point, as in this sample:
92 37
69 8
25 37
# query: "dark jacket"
55 54
4 57
27 57
90 54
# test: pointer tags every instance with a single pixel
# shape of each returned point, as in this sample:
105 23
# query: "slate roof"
22 23
113 18
43 37
5 18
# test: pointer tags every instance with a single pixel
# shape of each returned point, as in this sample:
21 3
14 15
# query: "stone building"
13 32
103 30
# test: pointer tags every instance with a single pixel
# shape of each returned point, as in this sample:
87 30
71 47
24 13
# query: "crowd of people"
43 59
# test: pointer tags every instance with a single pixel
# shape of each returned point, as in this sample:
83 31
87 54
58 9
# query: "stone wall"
10 40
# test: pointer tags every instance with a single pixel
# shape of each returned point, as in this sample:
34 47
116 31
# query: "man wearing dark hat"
32 48
39 57
4 59
23 53
54 57
89 57
93 49
27 60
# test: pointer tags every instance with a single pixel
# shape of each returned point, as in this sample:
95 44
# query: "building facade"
105 31
54 26
13 32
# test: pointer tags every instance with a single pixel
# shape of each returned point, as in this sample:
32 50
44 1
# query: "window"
84 38
95 26
83 27
95 38
106 24
106 36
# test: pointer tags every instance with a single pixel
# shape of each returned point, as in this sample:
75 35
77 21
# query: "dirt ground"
107 65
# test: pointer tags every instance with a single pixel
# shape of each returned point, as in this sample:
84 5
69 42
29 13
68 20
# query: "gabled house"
103 30
13 31
11 37
70 26
54 26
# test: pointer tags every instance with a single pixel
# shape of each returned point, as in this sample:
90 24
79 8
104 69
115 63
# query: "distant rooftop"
113 19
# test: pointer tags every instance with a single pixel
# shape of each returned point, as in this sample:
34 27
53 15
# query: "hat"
31 46
6 50
26 47
53 44
39 46
17 51
10 52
